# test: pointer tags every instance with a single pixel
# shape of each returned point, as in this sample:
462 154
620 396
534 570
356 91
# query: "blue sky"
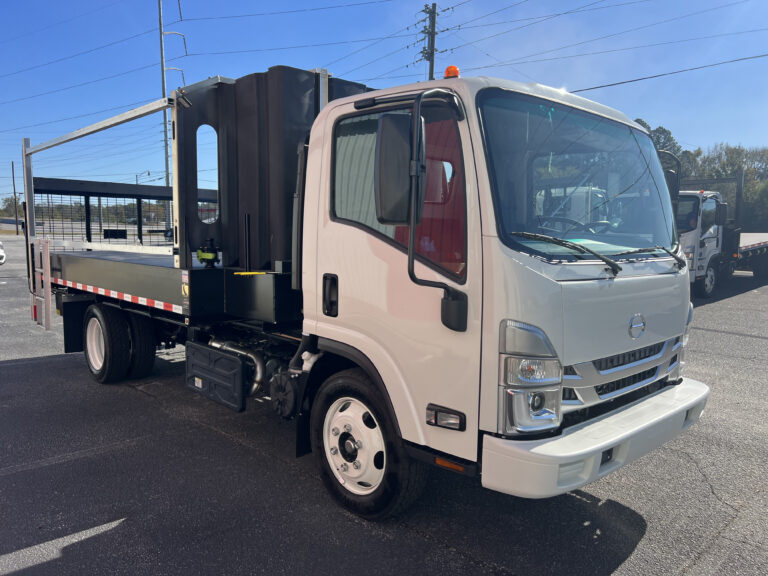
64 65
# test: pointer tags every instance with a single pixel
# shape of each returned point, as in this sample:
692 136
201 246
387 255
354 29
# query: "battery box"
216 374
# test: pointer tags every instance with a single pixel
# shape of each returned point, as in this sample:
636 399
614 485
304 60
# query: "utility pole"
428 53
15 202
165 111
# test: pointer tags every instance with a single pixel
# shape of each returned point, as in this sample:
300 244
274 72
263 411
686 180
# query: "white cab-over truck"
471 273
714 245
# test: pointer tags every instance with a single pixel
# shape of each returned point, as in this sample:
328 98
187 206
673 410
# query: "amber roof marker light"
451 72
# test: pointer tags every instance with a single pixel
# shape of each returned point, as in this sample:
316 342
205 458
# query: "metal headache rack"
224 253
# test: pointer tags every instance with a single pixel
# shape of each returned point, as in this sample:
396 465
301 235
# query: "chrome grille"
616 385
618 360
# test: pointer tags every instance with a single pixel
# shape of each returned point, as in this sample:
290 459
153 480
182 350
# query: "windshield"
687 213
562 172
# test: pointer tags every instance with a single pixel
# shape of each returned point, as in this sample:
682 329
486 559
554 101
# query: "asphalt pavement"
148 477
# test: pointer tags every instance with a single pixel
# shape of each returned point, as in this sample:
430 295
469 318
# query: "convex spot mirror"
392 169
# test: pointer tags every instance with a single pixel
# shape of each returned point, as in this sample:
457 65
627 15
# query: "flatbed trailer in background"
710 232
341 270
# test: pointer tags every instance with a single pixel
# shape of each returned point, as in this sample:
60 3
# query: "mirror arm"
454 305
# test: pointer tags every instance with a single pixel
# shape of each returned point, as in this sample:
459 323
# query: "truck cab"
550 215
701 220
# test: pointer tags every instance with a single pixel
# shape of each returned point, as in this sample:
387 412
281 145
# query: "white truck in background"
714 245
471 273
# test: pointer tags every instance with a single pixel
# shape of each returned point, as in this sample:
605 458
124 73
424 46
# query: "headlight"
530 380
688 325
532 371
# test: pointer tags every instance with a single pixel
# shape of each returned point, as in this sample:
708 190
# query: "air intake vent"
627 357
611 387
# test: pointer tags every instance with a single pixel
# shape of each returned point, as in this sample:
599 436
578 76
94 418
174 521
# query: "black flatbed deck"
144 279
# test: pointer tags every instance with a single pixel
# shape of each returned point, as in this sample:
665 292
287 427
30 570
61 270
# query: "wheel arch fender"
336 357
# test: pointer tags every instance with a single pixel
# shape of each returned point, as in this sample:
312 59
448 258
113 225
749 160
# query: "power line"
59 22
298 46
496 11
89 51
671 73
583 54
393 35
527 18
124 106
293 11
645 26
376 60
654 45
456 5
88 82
551 17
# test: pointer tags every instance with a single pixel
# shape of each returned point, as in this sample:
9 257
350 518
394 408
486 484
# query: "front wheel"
362 461
705 286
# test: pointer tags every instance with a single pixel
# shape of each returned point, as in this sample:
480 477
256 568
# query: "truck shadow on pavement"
740 283
156 479
576 533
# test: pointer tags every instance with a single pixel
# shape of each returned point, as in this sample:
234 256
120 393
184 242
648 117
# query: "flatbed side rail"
72 209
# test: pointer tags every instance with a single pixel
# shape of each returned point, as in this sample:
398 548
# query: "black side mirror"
672 176
721 214
392 176
673 183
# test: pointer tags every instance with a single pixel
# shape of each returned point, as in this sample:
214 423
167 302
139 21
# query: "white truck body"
538 340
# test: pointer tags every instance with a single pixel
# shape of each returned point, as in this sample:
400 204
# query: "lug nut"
335 431
334 450
347 428
344 467
356 465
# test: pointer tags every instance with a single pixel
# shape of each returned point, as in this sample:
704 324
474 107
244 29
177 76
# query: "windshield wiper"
681 263
614 267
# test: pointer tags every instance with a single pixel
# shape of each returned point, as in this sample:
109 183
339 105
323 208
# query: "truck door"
710 241
365 298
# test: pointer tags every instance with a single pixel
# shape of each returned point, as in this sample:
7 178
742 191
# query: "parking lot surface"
147 477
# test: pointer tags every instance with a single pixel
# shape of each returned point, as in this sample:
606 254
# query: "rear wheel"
106 343
361 459
760 269
705 286
143 346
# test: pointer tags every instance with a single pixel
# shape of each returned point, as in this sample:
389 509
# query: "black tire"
727 271
401 479
760 269
106 343
705 286
143 346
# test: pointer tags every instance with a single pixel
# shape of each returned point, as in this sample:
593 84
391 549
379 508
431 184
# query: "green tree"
662 138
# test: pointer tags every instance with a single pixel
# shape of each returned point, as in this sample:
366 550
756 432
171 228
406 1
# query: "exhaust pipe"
259 368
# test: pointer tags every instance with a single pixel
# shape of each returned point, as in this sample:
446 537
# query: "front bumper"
588 451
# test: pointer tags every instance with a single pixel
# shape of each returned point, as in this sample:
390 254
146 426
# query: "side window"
441 234
207 174
708 216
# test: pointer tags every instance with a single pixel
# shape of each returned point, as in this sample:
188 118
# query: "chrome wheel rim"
354 446
95 344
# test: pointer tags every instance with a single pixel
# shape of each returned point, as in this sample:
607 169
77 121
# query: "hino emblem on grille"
636 326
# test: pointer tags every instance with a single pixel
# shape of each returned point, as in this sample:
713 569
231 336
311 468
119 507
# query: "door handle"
330 295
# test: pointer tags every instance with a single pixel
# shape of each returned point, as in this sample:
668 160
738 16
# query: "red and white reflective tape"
120 295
